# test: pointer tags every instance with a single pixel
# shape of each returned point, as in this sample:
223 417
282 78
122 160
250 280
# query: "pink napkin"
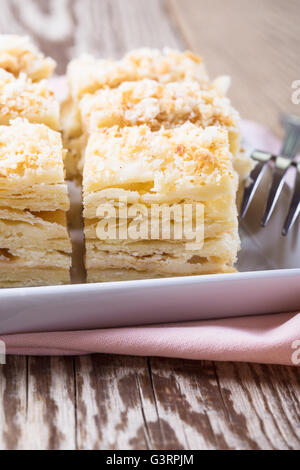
270 339
266 339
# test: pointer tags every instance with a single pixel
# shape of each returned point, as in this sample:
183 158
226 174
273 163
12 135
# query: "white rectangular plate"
268 282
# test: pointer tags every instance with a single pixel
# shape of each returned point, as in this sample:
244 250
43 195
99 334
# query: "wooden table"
113 402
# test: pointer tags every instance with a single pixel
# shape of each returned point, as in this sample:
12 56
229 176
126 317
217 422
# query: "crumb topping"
18 54
30 149
87 74
185 155
155 104
19 97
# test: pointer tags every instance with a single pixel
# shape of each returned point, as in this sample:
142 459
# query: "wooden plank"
51 419
116 406
108 402
134 403
37 404
190 397
228 406
262 403
256 42
115 402
13 402
67 28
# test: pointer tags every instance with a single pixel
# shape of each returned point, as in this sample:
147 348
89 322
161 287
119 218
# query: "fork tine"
279 175
294 210
250 190
291 144
255 177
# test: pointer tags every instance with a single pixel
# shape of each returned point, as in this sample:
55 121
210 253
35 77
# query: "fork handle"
292 137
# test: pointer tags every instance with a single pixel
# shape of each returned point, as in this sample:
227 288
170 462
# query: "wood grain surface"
257 42
113 402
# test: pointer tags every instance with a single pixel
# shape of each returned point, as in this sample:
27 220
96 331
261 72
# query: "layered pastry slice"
19 55
149 87
159 203
164 105
20 97
86 75
35 247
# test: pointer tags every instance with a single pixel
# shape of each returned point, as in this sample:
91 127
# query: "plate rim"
152 283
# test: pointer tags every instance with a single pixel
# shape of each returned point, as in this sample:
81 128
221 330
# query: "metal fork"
282 163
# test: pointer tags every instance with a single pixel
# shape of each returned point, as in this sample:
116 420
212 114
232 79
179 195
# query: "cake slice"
35 247
160 89
160 105
31 168
18 55
157 172
88 74
20 97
